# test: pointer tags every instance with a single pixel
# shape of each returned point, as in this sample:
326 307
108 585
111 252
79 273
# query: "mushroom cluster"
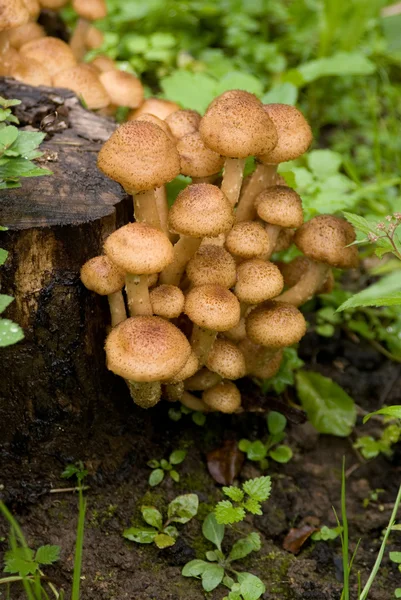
207 305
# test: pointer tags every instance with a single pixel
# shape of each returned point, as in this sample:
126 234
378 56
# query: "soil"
116 447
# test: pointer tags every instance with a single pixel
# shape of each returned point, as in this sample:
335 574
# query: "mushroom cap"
212 264
103 63
31 72
294 134
154 106
202 380
53 4
101 275
226 359
146 349
284 240
247 239
140 156
325 239
258 280
201 210
148 118
13 13
183 122
91 10
196 159
212 307
52 52
188 370
259 363
139 249
84 81
94 38
280 205
123 88
236 333
275 324
224 397
9 60
235 125
33 7
167 301
25 33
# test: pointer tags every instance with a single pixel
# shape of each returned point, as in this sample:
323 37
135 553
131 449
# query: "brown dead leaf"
225 463
296 537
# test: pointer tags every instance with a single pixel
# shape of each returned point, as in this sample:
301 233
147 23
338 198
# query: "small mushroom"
154 106
183 122
224 397
212 264
123 89
197 160
101 275
257 281
88 11
260 362
25 33
55 54
247 240
84 81
202 380
167 301
226 359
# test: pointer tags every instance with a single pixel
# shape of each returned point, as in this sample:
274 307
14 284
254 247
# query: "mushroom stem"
117 308
78 38
202 341
4 41
162 209
194 403
138 295
145 208
208 179
261 361
263 176
232 178
174 391
311 281
145 394
273 232
184 250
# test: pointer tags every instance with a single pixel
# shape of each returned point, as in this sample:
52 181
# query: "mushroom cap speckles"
124 89
247 239
325 239
258 280
84 81
188 370
224 397
212 307
91 10
139 249
140 156
183 122
167 301
196 159
236 125
212 264
13 13
154 106
280 205
55 54
293 130
201 210
146 349
275 324
101 275
226 359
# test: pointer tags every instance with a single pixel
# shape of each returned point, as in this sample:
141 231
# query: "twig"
70 489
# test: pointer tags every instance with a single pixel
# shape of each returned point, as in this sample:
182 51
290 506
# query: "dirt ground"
117 446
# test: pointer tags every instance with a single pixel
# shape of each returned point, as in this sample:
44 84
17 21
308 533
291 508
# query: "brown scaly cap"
154 106
84 81
91 10
212 264
294 134
183 122
223 397
196 159
33 7
159 122
103 63
201 210
167 301
55 54
275 324
123 88
212 307
24 34
280 205
140 156
9 60
188 370
13 13
31 72
139 249
247 239
324 239
236 126
102 276
202 380
257 281
226 359
146 349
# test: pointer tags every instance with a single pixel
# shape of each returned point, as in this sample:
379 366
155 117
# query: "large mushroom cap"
146 349
293 130
325 239
84 81
154 106
13 13
201 210
140 156
247 239
91 10
275 324
212 264
235 125
101 275
226 359
196 159
140 249
280 205
257 281
52 52
183 122
124 89
224 397
212 307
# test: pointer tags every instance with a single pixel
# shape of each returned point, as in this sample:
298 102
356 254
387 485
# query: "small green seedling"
180 510
370 447
75 470
217 569
373 496
260 451
248 499
160 468
395 557
327 533
197 417
25 561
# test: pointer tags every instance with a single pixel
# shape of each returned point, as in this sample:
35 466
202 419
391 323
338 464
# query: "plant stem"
79 546
345 534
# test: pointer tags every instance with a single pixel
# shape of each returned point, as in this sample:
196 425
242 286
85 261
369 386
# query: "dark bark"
55 224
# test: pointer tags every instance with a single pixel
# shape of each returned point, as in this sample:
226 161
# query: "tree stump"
55 224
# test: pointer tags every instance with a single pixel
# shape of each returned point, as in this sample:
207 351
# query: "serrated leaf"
21 561
10 333
389 411
360 223
47 555
243 547
234 493
141 535
386 287
227 514
253 506
183 508
276 422
156 477
177 457
212 576
26 142
251 587
281 454
258 488
212 530
194 568
152 516
359 300
162 540
4 302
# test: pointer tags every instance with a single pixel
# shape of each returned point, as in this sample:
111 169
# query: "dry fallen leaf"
296 537
225 463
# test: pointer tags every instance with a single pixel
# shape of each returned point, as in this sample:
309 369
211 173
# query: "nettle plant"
260 452
242 501
160 468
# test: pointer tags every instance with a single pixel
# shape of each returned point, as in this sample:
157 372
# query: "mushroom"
31 72
212 264
88 11
25 33
94 38
85 82
123 89
167 301
103 63
53 4
154 106
226 359
257 281
13 13
183 122
295 270
197 160
259 360
224 397
202 380
139 250
50 51
102 276
325 240
247 240
33 7
174 388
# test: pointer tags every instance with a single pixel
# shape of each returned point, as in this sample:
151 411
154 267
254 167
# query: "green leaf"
397 593
177 457
211 555
324 163
339 64
227 514
389 411
153 464
183 508
141 535
190 90
162 540
251 586
194 568
175 476
4 302
327 533
360 223
152 516
199 418
359 300
243 445
258 488
276 422
21 561
47 555
256 451
281 93
165 465
212 530
234 493
243 547
253 506
395 557
3 256
212 576
26 142
239 81
386 288
172 531
8 135
329 408
281 454
10 333
156 477
174 414
5 103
